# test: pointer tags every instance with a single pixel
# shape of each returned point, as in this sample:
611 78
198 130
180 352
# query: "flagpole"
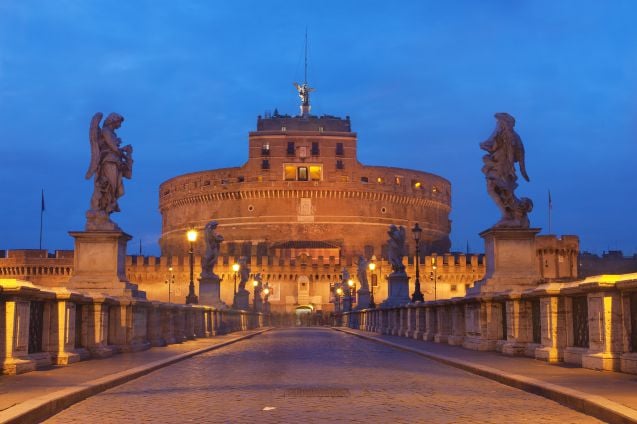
550 208
41 217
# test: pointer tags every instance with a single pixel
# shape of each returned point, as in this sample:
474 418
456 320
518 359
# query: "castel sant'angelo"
303 189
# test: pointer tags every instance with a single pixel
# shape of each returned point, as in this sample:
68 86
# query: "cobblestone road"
314 375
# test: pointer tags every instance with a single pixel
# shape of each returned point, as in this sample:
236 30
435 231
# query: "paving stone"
252 381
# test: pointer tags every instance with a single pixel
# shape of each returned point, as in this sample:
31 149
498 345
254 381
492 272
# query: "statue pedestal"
398 289
100 264
362 299
241 300
210 292
511 260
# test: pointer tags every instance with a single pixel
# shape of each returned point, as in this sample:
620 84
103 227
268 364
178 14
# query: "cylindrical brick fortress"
303 184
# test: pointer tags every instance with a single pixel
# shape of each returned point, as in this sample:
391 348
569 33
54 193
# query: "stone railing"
591 323
41 327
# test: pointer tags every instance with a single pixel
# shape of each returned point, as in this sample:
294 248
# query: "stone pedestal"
398 289
100 264
347 303
511 260
362 299
241 300
210 292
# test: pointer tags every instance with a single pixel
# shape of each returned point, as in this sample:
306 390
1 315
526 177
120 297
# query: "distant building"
611 262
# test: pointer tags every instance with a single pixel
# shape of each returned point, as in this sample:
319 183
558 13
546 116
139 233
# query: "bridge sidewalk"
611 396
37 395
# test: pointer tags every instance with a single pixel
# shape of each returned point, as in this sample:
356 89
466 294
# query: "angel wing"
518 155
94 135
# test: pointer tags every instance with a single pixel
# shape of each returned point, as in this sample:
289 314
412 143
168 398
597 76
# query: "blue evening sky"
420 80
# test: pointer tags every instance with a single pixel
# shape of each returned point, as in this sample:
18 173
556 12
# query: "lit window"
397 180
434 189
344 178
290 173
380 180
265 149
315 172
301 172
260 178
284 129
416 184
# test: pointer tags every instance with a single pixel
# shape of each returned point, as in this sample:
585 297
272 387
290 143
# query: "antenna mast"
305 81
304 89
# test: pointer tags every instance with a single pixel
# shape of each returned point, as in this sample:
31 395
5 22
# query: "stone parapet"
591 322
44 326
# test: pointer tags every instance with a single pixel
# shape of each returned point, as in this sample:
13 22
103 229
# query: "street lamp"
255 284
192 238
434 267
372 268
170 281
266 295
235 268
417 296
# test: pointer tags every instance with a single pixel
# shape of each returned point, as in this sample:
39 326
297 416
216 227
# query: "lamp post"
434 267
372 268
235 269
339 293
192 238
170 281
266 295
255 284
417 296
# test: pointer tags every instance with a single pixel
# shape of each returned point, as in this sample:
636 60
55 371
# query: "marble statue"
213 242
504 149
244 273
396 247
361 272
304 93
346 276
110 163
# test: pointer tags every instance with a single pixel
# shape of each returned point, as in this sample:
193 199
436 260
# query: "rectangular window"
265 149
265 164
315 172
339 149
454 288
397 180
290 172
301 173
364 180
315 148
240 179
339 164
291 149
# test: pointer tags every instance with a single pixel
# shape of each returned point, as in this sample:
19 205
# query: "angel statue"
504 148
361 273
244 273
213 242
109 164
304 93
396 247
